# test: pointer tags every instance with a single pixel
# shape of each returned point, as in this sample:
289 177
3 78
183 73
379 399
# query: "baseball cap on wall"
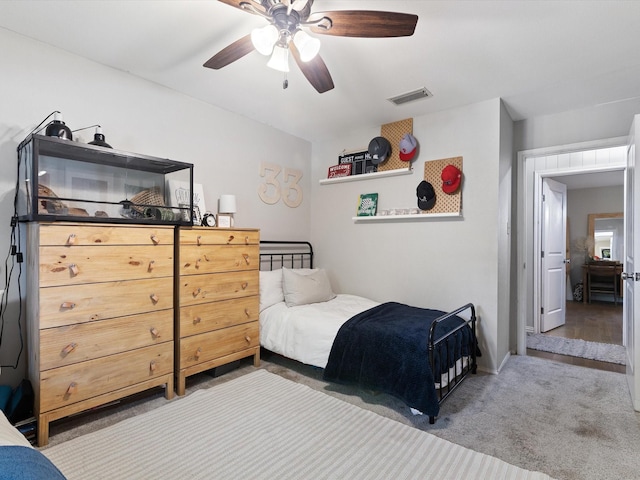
379 149
408 147
451 177
426 195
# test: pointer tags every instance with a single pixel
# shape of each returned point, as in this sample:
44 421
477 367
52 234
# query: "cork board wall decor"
394 133
445 203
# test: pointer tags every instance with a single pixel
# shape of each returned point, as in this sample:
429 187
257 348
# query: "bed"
418 355
19 460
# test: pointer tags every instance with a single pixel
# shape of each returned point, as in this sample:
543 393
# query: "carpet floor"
604 352
569 422
262 426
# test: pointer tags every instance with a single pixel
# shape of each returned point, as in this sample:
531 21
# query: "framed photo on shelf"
367 205
224 220
179 197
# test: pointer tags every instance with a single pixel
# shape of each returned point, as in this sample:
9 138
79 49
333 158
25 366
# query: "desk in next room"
585 281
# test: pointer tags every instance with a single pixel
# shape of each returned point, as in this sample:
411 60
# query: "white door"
553 260
631 247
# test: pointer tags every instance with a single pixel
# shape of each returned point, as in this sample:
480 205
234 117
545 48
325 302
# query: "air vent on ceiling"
411 96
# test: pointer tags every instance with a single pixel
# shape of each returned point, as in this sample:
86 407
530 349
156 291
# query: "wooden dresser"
218 299
100 315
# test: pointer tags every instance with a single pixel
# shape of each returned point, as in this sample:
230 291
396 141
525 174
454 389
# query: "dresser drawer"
85 341
74 383
77 265
218 258
221 236
71 234
211 345
196 289
213 316
84 303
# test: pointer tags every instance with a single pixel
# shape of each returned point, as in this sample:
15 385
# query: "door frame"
530 175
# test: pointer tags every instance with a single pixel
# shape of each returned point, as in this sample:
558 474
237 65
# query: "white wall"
440 263
139 116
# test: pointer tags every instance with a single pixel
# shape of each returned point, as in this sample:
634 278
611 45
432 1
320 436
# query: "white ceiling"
541 57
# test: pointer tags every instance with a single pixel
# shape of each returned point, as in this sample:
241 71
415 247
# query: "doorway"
585 165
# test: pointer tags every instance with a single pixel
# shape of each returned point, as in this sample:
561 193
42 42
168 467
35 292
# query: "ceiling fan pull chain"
285 82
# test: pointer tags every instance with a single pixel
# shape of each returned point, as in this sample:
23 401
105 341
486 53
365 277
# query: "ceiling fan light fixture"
264 38
307 45
279 59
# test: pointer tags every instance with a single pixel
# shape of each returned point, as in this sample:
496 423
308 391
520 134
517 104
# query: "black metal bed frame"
299 254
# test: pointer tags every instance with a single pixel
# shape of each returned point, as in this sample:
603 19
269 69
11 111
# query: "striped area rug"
262 426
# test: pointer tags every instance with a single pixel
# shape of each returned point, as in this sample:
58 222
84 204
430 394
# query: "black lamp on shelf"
57 128
98 136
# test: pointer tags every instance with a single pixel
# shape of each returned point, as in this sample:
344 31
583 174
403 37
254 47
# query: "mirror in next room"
606 231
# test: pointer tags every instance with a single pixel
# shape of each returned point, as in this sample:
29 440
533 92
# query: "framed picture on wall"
606 252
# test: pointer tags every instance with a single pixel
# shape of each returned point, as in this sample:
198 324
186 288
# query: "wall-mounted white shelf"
368 176
416 217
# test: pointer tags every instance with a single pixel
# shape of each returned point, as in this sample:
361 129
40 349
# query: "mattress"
9 435
305 333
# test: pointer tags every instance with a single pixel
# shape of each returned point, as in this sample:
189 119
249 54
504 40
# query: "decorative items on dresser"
100 313
218 299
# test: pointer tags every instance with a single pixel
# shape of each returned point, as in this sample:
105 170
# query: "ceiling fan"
285 33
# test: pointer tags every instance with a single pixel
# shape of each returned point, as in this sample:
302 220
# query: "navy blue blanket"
385 349
26 463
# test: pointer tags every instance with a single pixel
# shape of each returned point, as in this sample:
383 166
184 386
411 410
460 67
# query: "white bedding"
305 333
9 435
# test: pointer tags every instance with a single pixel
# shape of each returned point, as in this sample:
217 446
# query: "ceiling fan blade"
255 4
364 23
314 70
231 53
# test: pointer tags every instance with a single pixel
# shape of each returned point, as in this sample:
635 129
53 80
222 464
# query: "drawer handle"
244 285
246 240
231 237
246 258
199 240
196 292
73 388
71 240
198 263
155 239
197 320
68 349
248 339
68 305
154 332
206 259
246 312
153 366
74 269
154 298
152 264
197 354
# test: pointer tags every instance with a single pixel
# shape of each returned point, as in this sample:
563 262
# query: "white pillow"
302 288
270 288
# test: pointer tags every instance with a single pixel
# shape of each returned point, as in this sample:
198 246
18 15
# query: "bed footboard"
443 349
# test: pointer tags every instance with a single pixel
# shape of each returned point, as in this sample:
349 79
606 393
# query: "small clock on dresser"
209 220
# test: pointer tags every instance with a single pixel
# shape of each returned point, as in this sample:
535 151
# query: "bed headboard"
276 254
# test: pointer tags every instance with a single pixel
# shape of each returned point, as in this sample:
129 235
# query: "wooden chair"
603 278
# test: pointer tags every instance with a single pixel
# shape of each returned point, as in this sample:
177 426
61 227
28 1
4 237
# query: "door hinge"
543 197
541 310
542 253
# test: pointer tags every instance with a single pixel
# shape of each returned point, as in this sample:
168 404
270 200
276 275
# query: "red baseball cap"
408 147
451 177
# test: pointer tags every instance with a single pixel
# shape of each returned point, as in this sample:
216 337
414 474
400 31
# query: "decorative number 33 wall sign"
271 190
